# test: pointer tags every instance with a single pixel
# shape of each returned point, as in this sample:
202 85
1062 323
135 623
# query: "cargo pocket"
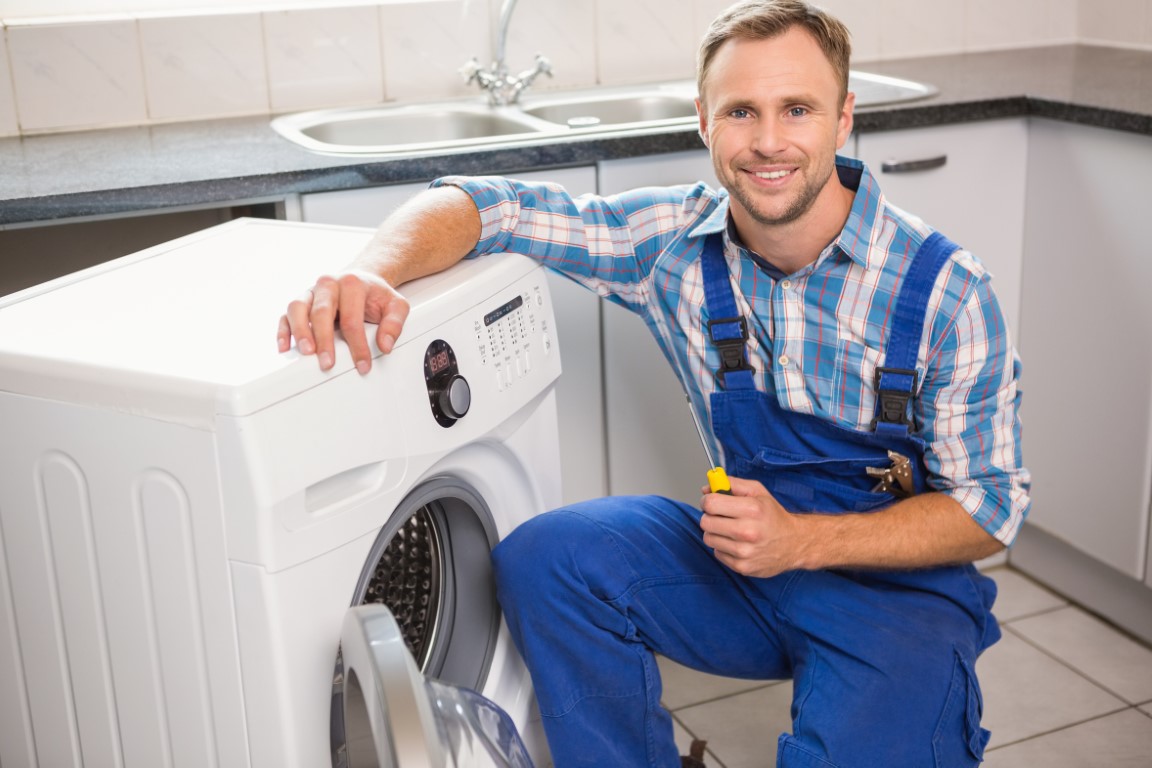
791 753
959 740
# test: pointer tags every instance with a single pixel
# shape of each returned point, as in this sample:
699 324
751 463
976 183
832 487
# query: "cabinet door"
579 392
1087 340
652 444
976 197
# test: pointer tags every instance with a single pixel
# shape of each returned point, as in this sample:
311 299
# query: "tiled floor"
1062 689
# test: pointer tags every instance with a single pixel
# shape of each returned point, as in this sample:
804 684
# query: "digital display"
438 362
497 314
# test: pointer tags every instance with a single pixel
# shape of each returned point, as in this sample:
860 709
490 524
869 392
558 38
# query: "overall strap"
897 379
727 328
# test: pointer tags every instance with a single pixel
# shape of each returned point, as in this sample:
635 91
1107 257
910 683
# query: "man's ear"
702 116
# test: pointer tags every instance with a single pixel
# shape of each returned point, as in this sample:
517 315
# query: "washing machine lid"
185 331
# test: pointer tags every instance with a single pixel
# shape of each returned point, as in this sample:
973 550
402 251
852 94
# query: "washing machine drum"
395 718
431 569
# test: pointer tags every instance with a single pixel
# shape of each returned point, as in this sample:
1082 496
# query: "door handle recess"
912 166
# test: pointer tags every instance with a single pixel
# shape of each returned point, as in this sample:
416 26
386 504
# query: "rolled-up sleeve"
971 402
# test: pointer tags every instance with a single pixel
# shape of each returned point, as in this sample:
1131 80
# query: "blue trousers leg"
589 592
882 669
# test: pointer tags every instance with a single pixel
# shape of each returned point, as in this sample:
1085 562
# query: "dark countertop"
123 170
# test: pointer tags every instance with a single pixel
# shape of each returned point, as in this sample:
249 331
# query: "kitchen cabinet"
968 182
1087 342
653 446
579 390
35 253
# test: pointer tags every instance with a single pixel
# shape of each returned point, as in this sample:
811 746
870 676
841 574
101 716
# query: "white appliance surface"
185 512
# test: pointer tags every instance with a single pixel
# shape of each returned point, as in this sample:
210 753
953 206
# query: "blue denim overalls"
882 662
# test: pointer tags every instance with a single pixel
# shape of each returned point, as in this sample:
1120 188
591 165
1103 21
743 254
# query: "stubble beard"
799 205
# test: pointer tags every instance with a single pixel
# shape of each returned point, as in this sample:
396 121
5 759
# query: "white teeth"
773 174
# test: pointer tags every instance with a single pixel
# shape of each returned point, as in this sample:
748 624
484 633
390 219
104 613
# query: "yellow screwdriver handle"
718 481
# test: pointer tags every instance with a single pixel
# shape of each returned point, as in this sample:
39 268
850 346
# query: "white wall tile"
77 75
1113 21
920 28
704 11
426 43
564 31
324 57
645 40
863 22
995 24
1063 21
204 66
8 123
1147 39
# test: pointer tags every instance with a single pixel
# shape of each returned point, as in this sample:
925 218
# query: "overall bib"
882 662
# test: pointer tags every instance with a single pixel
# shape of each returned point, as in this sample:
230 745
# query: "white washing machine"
186 515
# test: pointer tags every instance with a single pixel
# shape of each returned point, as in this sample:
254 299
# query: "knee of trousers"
551 554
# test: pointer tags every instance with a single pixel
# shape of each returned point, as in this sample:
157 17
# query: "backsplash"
65 74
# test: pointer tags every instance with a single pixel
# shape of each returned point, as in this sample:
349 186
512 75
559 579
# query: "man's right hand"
349 300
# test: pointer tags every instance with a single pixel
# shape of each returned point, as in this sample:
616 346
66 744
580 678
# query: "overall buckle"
894 403
733 333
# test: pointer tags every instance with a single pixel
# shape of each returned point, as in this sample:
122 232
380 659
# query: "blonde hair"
764 19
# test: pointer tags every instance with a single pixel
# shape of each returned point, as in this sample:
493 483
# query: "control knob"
455 398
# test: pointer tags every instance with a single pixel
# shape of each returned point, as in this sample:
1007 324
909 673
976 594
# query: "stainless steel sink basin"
876 90
413 129
458 126
619 110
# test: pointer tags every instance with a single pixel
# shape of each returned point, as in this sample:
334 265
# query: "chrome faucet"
502 87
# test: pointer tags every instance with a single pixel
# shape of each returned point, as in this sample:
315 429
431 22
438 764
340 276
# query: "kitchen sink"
618 110
413 129
424 129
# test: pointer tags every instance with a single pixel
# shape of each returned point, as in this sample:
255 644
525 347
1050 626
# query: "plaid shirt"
816 336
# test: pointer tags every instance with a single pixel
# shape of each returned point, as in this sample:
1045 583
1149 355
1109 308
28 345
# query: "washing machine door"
394 718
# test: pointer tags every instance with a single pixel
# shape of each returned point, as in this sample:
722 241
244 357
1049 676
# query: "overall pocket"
959 740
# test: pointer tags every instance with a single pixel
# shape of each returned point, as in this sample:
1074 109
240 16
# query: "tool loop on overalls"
729 335
896 479
895 390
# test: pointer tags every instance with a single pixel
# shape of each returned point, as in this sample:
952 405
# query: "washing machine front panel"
289 620
289 499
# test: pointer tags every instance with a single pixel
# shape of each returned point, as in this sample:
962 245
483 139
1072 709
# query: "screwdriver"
717 477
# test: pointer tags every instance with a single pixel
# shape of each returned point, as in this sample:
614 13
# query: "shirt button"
786 284
783 360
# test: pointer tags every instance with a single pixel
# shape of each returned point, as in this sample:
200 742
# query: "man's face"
771 116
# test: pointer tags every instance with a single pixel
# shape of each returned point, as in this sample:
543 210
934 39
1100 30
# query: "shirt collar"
854 240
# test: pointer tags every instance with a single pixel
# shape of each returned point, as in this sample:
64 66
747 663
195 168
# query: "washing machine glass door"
431 568
394 718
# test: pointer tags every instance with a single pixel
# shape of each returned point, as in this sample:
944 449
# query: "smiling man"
857 373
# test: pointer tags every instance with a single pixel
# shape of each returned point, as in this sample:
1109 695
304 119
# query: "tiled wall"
73 74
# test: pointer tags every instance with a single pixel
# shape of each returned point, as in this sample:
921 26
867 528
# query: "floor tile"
684 687
1094 649
1019 596
742 730
1122 740
1027 692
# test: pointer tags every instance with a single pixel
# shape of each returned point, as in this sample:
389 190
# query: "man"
857 373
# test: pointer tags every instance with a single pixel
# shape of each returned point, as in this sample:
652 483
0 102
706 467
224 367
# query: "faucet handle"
543 66
470 71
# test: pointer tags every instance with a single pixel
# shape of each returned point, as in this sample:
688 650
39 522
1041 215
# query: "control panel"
511 336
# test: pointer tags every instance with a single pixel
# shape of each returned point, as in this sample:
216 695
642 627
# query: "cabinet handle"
911 166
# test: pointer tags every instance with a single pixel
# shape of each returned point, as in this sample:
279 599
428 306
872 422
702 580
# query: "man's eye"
797 112
739 114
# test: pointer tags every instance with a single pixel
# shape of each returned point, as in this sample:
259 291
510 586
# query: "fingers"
352 300
322 322
391 318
